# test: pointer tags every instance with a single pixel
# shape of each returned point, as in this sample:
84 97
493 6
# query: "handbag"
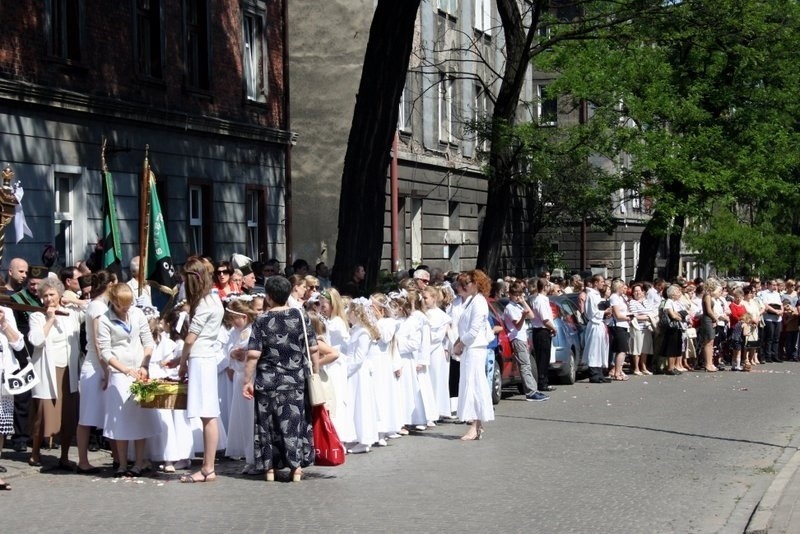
19 381
315 390
328 448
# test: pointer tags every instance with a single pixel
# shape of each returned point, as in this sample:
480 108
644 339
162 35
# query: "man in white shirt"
543 331
773 315
515 314
144 300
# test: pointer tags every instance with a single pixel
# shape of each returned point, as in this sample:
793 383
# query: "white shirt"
542 312
511 316
206 323
774 298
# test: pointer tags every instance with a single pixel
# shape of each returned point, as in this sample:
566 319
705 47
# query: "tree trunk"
362 203
649 243
674 253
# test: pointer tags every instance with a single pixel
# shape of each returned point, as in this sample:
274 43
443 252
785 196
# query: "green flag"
160 270
112 251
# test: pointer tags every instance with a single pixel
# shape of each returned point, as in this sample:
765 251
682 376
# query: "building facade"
200 82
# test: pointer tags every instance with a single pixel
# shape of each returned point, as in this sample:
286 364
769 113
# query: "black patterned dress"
283 436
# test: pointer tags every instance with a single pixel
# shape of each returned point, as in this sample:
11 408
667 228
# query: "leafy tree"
703 96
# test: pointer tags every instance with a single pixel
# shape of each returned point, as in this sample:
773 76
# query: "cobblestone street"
693 453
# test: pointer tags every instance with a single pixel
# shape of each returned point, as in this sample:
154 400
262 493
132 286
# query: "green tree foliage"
704 96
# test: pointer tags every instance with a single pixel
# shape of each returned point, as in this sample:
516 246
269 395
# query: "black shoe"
673 372
597 381
607 380
20 446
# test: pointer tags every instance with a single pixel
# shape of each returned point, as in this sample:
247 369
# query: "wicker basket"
169 396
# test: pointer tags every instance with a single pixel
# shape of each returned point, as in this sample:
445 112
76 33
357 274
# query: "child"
363 335
241 418
173 446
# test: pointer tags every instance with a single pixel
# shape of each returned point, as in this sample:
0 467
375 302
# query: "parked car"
566 359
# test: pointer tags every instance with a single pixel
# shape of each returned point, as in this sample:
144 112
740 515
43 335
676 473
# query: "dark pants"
772 334
790 345
22 406
541 355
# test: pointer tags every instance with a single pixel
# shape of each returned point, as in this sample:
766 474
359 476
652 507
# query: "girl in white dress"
327 354
474 334
385 362
339 338
440 362
94 374
413 338
363 338
199 360
125 343
173 445
242 414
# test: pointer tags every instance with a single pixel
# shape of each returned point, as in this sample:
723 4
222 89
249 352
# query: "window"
406 106
445 108
149 46
64 216
63 25
200 220
448 6
196 42
415 230
547 107
255 221
483 16
255 51
482 112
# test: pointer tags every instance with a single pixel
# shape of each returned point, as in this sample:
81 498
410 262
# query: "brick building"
202 82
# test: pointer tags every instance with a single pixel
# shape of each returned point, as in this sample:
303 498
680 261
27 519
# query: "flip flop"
190 478
622 378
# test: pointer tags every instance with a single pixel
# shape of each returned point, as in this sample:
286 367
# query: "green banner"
112 251
160 271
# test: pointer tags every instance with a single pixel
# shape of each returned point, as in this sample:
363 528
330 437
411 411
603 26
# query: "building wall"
327 46
54 114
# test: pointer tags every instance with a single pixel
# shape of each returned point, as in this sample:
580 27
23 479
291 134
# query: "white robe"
595 349
386 360
413 343
439 361
342 414
241 420
174 442
362 386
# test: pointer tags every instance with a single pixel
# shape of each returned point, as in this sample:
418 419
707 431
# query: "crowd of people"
393 363
246 336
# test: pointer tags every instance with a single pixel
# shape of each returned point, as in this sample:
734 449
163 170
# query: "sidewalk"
779 509
16 463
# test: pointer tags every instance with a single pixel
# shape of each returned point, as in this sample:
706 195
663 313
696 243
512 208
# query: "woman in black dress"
275 376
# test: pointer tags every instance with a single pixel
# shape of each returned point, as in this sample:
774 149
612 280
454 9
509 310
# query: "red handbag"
328 448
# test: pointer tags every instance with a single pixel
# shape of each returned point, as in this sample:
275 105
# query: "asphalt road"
693 453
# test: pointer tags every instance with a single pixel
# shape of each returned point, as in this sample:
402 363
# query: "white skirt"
388 398
174 442
474 395
439 371
125 419
203 394
92 410
224 392
241 423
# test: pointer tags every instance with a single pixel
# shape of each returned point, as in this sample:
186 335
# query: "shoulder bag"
314 387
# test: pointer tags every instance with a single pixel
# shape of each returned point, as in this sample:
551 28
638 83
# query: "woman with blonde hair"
708 321
126 344
474 396
199 360
363 337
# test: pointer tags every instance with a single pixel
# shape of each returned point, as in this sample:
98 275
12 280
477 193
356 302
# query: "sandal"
191 480
621 378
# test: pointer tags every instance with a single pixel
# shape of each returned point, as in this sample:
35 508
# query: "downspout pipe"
393 185
287 158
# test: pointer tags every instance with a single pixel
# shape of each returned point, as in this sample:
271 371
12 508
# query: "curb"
766 510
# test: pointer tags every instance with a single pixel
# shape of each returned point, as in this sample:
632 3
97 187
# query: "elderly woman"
275 376
125 344
56 359
641 330
199 360
474 334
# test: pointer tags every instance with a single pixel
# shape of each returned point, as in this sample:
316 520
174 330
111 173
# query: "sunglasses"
313 287
221 272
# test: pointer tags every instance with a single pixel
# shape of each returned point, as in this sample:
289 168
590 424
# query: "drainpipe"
394 205
287 191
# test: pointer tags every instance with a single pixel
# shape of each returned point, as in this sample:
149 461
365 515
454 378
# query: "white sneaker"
431 424
394 435
381 443
420 427
359 449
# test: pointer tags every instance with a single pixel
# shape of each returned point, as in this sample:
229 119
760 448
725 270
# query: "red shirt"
737 310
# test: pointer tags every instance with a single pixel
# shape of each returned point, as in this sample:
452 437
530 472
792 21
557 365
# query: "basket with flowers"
160 394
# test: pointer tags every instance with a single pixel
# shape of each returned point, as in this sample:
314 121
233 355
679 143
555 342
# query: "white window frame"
445 108
406 109
482 103
255 55
196 219
252 216
448 6
483 16
68 218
